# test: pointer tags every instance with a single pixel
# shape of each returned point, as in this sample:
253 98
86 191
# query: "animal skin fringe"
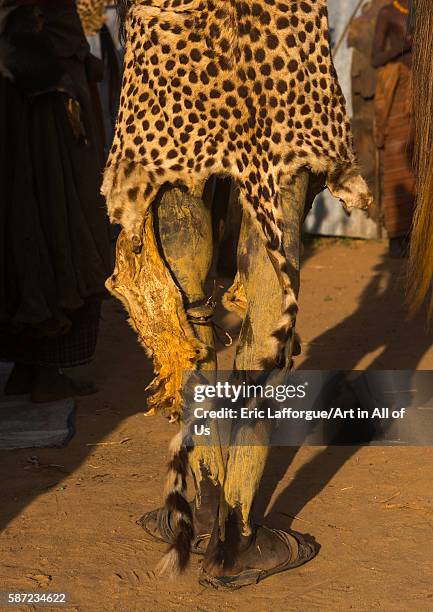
237 470
244 472
154 304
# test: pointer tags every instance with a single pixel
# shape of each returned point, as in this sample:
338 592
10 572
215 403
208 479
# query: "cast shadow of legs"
121 371
379 326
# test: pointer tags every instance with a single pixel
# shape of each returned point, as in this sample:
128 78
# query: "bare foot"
51 385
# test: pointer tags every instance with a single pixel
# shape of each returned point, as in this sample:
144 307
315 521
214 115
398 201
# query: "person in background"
101 31
364 76
54 238
392 54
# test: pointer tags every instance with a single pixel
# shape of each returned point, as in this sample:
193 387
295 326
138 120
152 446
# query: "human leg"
184 233
238 545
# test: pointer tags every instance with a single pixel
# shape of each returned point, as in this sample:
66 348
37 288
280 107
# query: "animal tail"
177 556
421 249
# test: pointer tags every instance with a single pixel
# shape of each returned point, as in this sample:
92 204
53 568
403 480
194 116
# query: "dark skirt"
54 240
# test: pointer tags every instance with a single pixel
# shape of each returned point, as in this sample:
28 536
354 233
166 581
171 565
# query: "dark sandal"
305 553
162 531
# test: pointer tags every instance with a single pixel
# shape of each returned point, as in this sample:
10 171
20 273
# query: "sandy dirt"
72 527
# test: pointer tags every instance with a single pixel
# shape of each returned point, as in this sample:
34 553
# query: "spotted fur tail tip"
176 559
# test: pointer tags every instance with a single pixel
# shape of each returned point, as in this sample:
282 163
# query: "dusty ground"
73 528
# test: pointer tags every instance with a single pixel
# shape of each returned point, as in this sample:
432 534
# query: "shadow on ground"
379 325
122 371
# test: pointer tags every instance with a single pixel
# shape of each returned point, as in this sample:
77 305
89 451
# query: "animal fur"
207 92
243 89
176 558
421 248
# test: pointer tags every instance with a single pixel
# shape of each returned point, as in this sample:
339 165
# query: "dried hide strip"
156 312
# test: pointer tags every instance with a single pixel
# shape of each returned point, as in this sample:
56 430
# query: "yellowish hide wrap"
154 304
156 312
